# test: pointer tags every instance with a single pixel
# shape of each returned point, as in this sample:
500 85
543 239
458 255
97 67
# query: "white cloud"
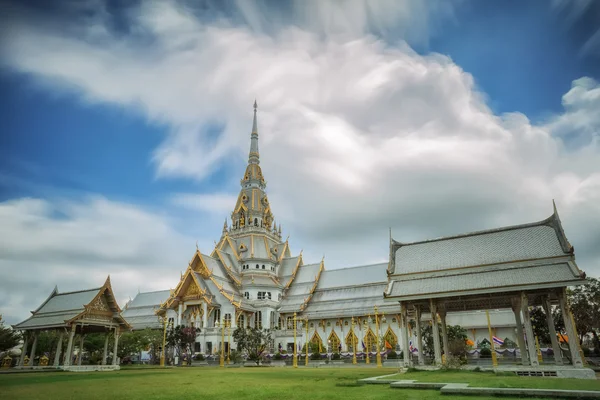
356 135
76 245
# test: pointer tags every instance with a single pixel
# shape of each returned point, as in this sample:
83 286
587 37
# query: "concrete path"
465 389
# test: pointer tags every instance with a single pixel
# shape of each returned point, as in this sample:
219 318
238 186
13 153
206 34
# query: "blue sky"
139 116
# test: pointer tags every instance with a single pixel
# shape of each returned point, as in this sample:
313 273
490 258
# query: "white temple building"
253 278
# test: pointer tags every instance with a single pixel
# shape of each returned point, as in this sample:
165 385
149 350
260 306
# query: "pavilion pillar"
58 349
80 355
69 352
442 312
179 313
419 337
204 315
516 307
116 347
105 353
531 351
407 355
33 348
24 349
436 333
571 334
550 320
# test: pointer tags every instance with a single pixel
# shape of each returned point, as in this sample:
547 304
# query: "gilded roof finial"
196 245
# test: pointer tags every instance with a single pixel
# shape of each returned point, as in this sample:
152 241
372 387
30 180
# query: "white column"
516 307
204 315
529 331
81 338
105 353
58 349
419 337
69 352
436 333
179 313
24 349
550 320
33 348
116 347
442 312
573 344
407 355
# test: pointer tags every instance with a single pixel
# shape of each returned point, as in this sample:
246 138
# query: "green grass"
489 379
245 383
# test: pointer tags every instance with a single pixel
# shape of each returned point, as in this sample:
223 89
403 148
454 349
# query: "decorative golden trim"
228 270
294 271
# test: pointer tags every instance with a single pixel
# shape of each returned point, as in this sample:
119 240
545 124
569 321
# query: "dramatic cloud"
76 245
357 135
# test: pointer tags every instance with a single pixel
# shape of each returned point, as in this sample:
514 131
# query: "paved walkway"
465 389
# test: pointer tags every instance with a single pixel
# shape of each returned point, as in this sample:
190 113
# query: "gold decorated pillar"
222 356
353 337
573 340
492 346
442 314
306 343
80 355
404 314
378 347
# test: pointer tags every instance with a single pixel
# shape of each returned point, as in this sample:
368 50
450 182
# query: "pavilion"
74 313
513 267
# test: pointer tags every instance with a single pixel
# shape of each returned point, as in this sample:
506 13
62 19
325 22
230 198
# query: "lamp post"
353 343
378 356
328 350
494 357
222 357
306 342
228 323
368 359
164 350
295 359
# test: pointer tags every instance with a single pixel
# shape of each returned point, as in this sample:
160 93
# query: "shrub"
586 351
199 357
392 355
336 356
315 356
486 352
597 351
277 356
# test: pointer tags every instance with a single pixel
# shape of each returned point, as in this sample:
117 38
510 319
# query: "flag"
364 347
412 348
279 347
388 345
497 340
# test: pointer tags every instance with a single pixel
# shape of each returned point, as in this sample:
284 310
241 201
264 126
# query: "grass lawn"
242 383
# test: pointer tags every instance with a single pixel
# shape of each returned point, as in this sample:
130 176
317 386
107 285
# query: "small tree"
9 338
253 341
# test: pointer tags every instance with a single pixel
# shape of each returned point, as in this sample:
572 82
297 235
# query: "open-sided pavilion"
513 267
74 314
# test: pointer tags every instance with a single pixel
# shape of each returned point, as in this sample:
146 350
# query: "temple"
74 314
253 278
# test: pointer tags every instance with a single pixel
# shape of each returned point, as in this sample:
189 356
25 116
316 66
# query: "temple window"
258 320
272 319
257 266
328 323
263 267
247 295
255 221
393 319
345 323
290 323
269 295
241 320
312 324
227 319
217 317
